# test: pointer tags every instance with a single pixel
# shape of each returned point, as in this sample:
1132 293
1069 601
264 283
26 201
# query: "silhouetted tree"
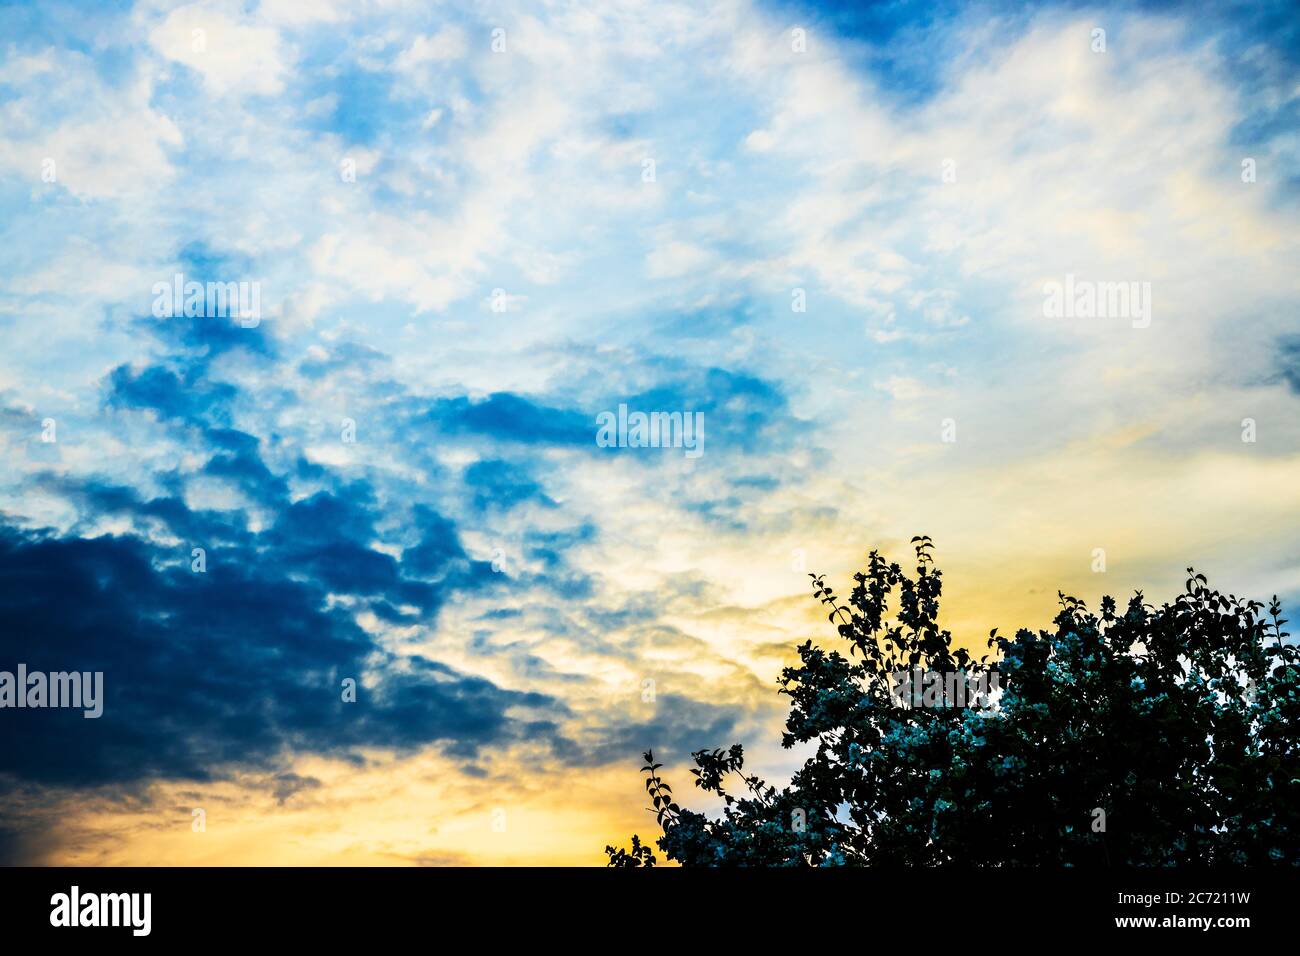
1156 736
639 855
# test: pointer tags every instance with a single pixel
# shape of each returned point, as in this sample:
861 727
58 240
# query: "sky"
364 580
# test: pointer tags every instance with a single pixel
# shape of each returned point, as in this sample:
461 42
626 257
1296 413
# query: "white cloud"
676 258
297 12
447 44
230 52
760 141
96 141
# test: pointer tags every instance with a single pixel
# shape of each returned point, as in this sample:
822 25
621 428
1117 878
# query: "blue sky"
476 228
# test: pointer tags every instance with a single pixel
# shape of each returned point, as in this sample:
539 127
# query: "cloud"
501 484
675 259
446 44
231 53
1289 363
206 671
68 128
513 418
395 481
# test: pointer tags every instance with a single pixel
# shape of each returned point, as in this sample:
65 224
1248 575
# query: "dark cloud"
200 410
289 785
1288 362
97 499
169 393
508 417
679 726
558 575
24 845
238 459
238 665
742 413
500 484
243 662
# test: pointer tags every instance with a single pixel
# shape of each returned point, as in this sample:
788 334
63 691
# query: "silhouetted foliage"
1155 736
639 855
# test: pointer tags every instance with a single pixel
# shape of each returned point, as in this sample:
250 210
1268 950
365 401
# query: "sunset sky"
474 228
